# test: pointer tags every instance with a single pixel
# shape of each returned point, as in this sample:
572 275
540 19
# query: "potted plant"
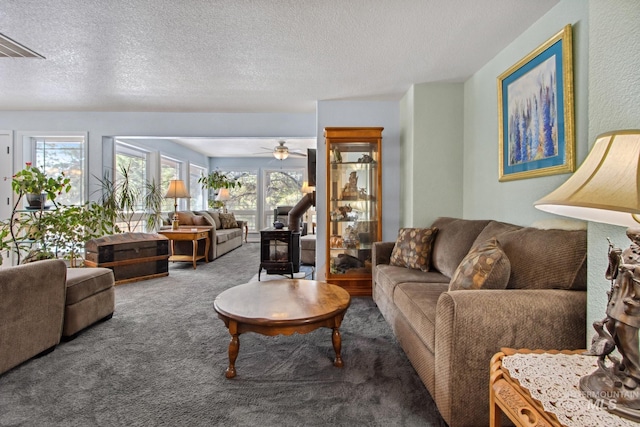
38 187
123 201
215 181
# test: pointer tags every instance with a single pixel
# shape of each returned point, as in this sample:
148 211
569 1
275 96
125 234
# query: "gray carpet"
161 359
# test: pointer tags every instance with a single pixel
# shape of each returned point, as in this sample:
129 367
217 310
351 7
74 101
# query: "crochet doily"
553 380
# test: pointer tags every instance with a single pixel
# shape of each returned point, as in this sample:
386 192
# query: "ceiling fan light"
281 152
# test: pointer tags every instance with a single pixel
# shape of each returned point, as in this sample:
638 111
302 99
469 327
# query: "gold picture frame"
535 110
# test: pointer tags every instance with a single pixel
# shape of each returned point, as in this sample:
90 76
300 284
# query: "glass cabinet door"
354 204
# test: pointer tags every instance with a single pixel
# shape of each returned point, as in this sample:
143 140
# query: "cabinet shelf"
354 177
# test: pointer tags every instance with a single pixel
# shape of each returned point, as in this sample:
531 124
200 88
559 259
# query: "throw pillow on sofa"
228 220
199 220
486 266
413 248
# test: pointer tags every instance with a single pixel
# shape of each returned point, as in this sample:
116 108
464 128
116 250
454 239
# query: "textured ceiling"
245 55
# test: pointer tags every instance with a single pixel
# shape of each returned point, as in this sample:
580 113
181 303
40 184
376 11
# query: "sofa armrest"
381 253
472 325
32 299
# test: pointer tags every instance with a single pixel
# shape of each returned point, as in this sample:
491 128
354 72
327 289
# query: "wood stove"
279 251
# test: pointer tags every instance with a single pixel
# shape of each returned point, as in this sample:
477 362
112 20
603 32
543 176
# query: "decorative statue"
344 211
620 382
350 190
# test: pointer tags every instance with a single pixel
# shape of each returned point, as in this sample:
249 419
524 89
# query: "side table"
541 388
189 234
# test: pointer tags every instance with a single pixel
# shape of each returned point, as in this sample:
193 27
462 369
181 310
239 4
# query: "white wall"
614 103
485 197
360 114
104 124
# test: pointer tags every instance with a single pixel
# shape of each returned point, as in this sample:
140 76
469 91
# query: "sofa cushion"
185 218
212 216
199 220
387 277
228 220
413 248
486 266
541 259
85 282
453 241
417 302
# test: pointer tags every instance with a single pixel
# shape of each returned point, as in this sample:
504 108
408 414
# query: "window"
282 188
133 162
62 154
244 200
198 194
170 169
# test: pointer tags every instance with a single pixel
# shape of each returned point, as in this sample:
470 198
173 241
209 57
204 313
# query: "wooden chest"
131 256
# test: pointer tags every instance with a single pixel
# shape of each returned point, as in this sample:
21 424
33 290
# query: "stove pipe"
299 209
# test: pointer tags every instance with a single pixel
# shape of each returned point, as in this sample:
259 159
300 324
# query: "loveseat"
225 235
450 335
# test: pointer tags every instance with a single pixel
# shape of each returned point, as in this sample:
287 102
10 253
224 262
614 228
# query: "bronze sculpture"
618 385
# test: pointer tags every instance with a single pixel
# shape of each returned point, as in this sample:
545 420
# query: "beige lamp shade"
223 195
176 190
606 187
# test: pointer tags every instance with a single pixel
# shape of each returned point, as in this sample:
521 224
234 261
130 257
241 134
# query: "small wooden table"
282 307
193 234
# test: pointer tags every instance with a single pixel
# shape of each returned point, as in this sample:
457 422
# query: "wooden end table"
281 307
193 234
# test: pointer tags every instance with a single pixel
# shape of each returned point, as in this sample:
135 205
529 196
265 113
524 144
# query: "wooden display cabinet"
354 205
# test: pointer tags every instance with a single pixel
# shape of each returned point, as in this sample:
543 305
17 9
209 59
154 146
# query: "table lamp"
223 196
175 191
606 188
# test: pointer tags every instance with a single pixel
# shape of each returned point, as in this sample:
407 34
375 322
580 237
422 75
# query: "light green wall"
406 154
614 103
432 119
484 196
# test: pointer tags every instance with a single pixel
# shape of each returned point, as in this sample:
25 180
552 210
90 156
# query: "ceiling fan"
281 151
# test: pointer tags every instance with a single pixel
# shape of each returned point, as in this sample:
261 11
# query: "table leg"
337 346
234 348
246 232
195 252
207 245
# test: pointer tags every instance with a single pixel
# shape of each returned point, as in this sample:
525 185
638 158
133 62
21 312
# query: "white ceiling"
245 55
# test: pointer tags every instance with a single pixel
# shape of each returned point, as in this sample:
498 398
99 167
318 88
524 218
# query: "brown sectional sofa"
450 336
222 239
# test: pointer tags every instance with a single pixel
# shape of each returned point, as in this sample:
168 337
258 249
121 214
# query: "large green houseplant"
129 204
215 181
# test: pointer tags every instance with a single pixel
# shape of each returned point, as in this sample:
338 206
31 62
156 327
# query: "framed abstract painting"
535 109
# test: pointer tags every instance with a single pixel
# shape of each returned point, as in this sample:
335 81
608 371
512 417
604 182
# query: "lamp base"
174 222
606 390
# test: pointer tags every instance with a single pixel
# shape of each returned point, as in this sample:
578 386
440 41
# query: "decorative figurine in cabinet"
354 204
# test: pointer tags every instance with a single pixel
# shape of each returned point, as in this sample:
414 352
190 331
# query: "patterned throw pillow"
413 248
228 220
486 266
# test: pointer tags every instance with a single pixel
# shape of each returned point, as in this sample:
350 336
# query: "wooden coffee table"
281 307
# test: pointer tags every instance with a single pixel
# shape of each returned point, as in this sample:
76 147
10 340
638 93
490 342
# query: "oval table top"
282 302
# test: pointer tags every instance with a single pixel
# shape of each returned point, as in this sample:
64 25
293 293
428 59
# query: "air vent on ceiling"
12 49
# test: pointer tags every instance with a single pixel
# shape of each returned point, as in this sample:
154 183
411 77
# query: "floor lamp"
176 191
606 188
